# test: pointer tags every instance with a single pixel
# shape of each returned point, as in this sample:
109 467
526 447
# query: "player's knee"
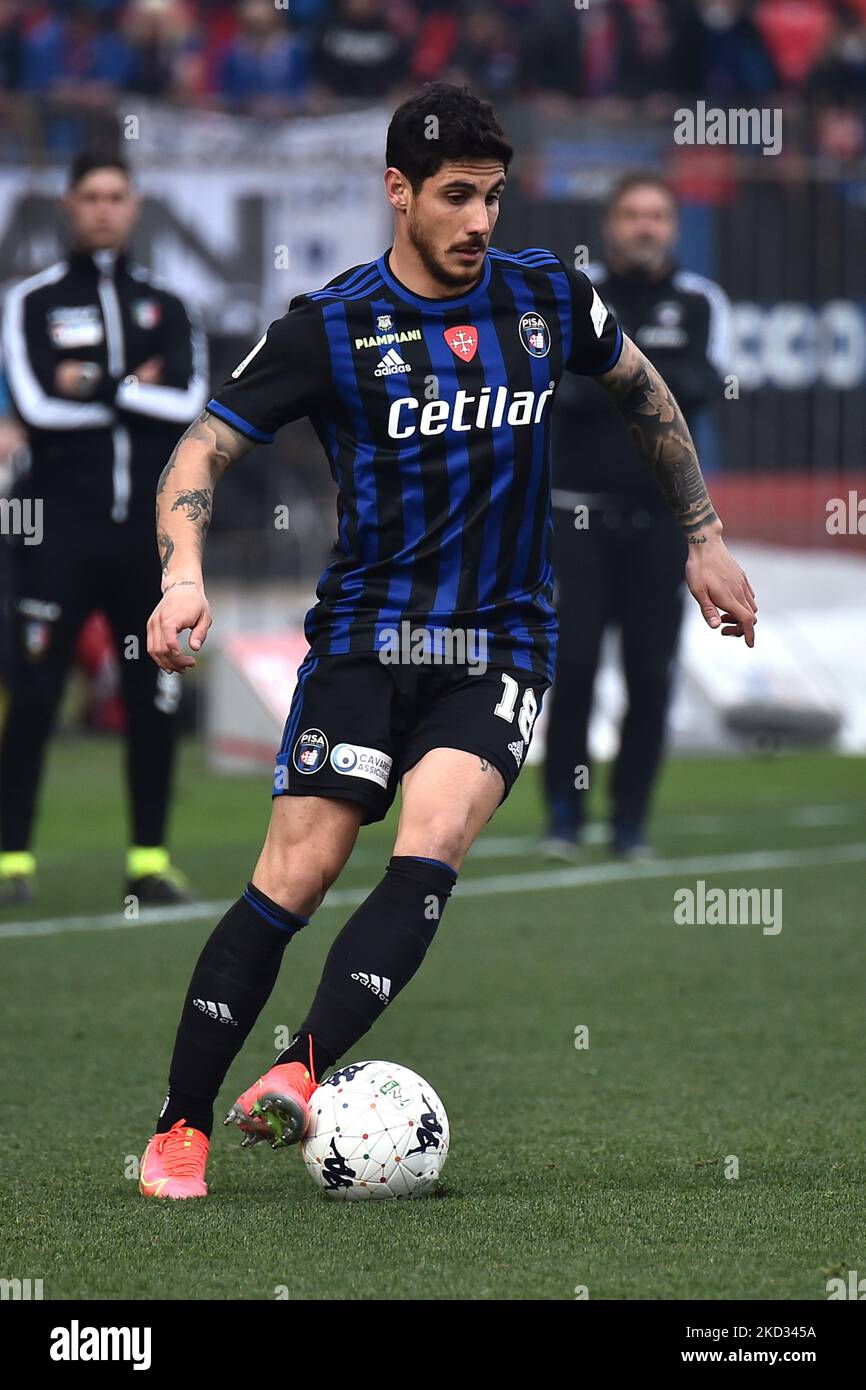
445 836
297 877
320 874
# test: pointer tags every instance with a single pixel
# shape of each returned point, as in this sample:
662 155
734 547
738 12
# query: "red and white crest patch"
462 340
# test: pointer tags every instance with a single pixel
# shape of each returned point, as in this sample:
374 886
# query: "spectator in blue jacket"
267 67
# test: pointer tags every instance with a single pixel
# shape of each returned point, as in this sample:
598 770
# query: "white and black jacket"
102 456
682 323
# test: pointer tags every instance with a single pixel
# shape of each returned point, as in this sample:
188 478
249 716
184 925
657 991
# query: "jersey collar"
96 263
433 306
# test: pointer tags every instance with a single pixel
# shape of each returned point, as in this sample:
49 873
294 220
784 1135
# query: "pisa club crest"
310 752
534 335
462 340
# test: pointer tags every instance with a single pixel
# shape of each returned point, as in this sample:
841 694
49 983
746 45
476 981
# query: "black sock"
230 986
373 958
303 1048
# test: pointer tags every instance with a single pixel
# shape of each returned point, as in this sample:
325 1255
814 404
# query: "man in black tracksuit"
105 371
620 558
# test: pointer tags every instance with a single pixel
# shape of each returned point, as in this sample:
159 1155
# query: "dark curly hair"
465 128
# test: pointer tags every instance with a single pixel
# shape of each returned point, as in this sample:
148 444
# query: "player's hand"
76 380
150 372
725 596
183 608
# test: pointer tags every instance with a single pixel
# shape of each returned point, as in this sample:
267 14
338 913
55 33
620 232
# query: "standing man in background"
105 371
619 555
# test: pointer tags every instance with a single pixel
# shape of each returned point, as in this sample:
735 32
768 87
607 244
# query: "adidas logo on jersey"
379 984
517 749
221 1012
391 364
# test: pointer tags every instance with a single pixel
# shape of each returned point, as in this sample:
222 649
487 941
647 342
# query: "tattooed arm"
656 424
184 499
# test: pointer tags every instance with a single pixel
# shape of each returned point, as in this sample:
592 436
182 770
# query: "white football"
376 1130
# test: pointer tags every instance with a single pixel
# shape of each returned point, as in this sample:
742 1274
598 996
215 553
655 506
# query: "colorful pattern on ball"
376 1130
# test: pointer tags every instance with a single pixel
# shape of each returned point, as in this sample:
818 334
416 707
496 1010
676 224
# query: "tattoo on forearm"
223 446
223 443
655 423
166 549
167 471
196 503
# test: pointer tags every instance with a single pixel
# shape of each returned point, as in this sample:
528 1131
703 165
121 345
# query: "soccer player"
104 368
428 375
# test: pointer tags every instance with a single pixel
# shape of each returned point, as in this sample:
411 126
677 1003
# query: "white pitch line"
822 815
598 833
586 875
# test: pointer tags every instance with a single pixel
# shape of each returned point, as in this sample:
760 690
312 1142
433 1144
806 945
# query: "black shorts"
357 724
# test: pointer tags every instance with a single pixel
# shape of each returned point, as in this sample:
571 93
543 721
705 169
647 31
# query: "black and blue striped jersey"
434 415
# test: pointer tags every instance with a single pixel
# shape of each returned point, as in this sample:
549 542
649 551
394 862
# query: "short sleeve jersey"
435 418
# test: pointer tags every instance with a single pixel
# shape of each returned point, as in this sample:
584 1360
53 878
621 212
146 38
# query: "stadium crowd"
285 56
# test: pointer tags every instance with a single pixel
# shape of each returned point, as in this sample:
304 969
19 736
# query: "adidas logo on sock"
391 364
517 749
379 984
221 1012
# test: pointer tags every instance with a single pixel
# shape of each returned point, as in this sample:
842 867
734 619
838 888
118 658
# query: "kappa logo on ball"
534 335
352 760
310 751
346 1074
462 340
336 1172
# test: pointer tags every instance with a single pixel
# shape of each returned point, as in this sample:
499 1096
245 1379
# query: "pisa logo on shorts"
310 751
352 760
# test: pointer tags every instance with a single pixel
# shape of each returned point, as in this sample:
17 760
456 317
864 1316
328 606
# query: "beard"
646 257
454 279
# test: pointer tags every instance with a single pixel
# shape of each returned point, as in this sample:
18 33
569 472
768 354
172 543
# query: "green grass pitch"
603 1167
